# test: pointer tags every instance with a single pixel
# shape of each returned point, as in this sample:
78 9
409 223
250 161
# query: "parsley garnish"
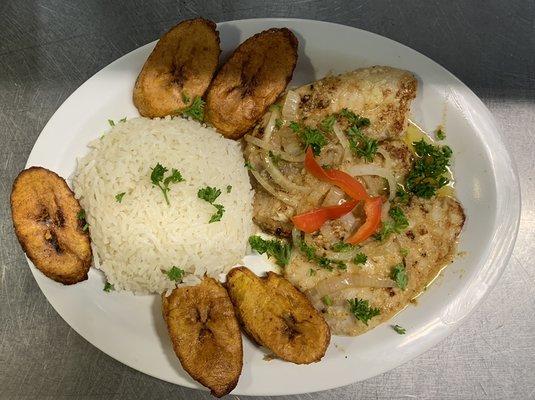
210 194
157 178
360 258
111 122
399 329
342 247
229 188
441 135
310 137
354 119
277 249
185 98
362 311
327 300
402 196
397 224
275 107
119 197
362 145
311 272
108 287
81 217
328 123
275 158
175 274
323 262
278 123
249 166
427 173
399 275
404 252
195 110
122 119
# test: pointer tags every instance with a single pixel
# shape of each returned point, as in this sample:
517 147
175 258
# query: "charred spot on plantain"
60 218
52 240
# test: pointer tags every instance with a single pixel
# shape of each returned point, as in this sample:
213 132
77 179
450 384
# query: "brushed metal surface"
48 48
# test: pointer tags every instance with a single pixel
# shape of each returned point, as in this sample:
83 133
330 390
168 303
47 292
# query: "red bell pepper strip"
372 209
311 221
344 181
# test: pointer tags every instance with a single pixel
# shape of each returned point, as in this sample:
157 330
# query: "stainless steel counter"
48 48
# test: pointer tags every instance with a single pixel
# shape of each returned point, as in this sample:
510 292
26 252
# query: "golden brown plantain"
205 334
180 68
250 81
45 217
278 316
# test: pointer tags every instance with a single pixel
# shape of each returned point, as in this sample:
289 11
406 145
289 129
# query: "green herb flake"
175 274
354 119
108 287
249 166
277 249
310 137
185 98
111 122
294 126
397 224
229 188
275 158
157 178
275 107
362 145
81 215
119 197
323 262
402 197
441 135
216 217
311 272
195 110
327 300
328 123
360 258
404 252
400 330
428 169
279 123
362 311
399 275
342 247
209 194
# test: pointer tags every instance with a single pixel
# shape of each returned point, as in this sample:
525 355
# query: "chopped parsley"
111 122
354 119
361 310
210 194
279 123
310 137
363 146
327 300
323 262
342 247
158 179
441 135
399 275
185 98
400 330
402 196
119 197
122 119
81 217
175 274
275 158
328 123
277 249
360 258
249 166
404 252
427 173
311 272
108 287
195 110
275 107
397 224
229 188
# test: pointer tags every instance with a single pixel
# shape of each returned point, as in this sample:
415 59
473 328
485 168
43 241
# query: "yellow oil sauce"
414 134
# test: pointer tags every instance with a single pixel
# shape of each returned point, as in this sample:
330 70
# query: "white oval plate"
131 329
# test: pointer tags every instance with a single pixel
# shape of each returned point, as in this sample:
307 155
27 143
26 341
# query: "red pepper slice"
372 209
344 181
311 221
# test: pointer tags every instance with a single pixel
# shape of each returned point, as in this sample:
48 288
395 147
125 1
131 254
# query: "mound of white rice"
138 239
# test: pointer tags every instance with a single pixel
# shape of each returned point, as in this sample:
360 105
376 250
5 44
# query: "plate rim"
502 247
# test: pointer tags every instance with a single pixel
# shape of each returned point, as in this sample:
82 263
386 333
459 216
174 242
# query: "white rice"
141 237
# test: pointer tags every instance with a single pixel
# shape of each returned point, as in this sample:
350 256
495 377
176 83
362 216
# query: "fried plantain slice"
205 334
47 224
180 68
278 316
250 81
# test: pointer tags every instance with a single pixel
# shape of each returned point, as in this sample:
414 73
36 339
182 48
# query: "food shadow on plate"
230 37
304 71
165 341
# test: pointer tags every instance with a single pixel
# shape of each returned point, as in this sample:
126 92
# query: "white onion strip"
343 141
386 156
279 178
370 169
291 104
270 126
274 192
284 155
348 280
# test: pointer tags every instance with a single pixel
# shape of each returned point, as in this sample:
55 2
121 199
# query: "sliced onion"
343 141
274 192
328 233
266 146
348 280
370 169
279 178
386 156
384 210
296 238
270 126
291 104
342 255
334 197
